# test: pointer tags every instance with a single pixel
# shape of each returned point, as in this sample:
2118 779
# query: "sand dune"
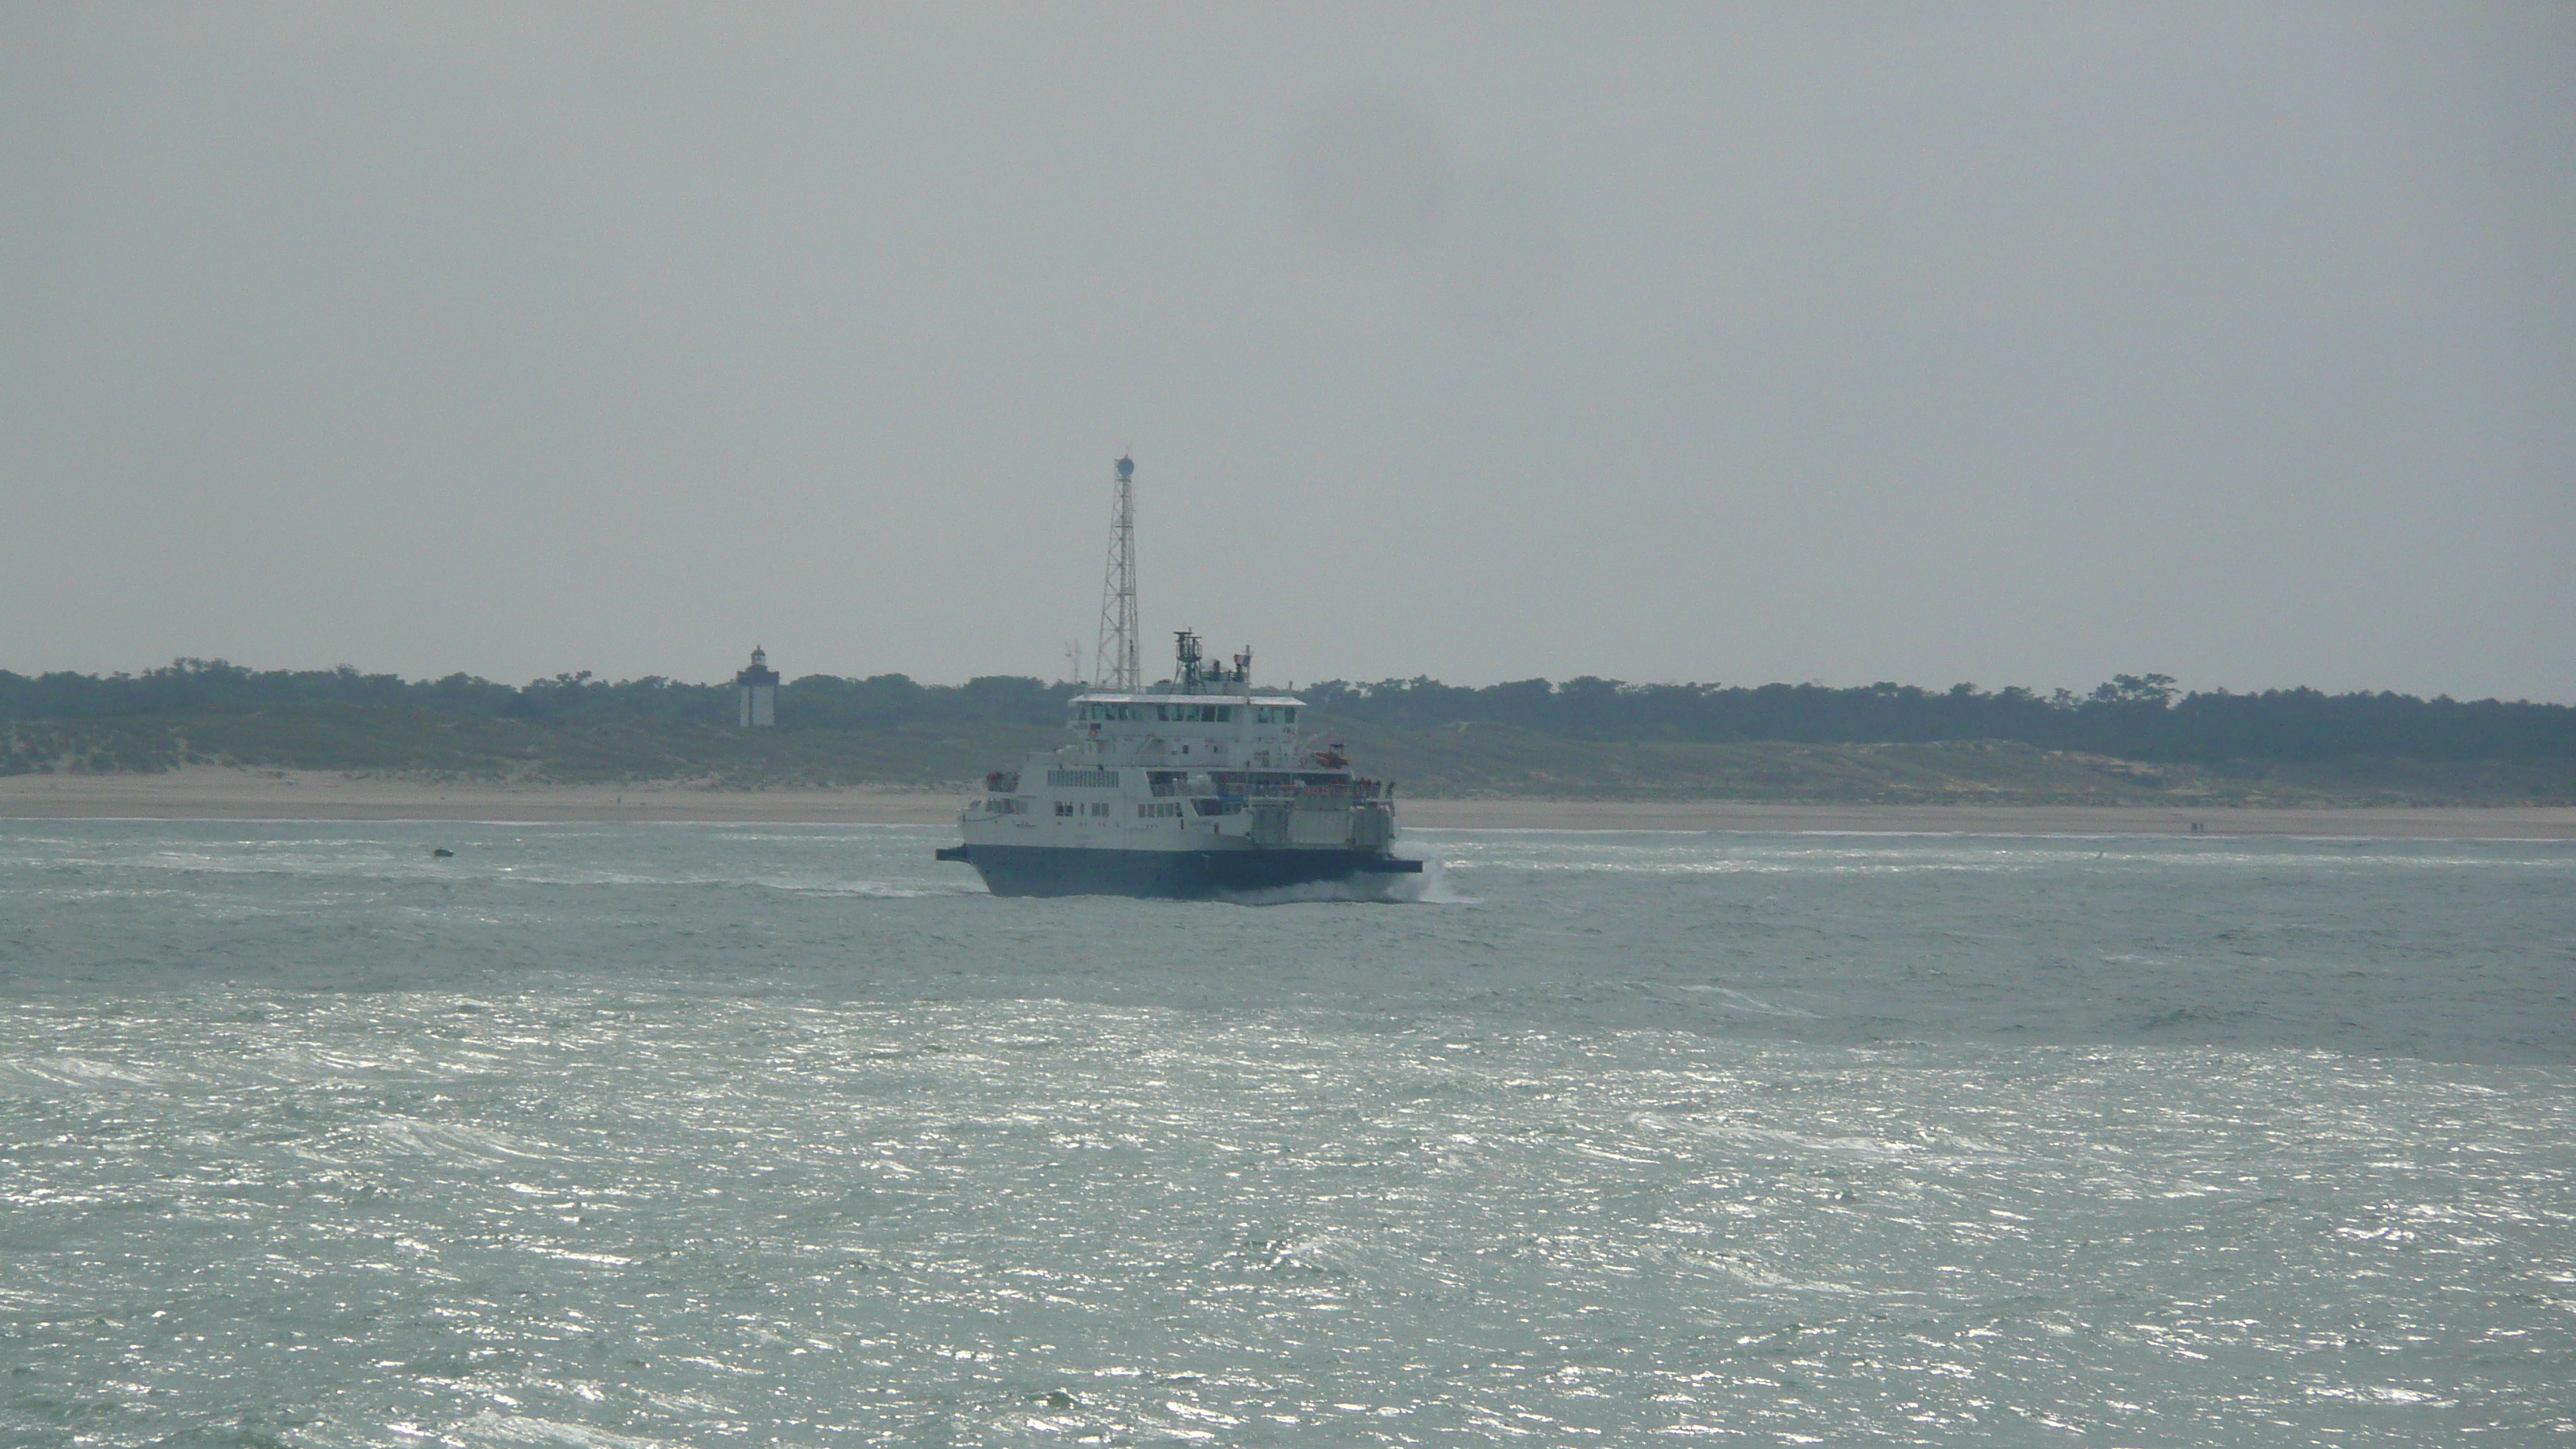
207 793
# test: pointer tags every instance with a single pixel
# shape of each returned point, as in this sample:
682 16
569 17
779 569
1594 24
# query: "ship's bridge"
1192 709
1204 713
1193 730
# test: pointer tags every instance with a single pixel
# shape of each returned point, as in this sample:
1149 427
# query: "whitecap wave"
491 1427
411 1137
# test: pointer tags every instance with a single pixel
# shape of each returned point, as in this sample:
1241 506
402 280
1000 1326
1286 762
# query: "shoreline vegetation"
237 742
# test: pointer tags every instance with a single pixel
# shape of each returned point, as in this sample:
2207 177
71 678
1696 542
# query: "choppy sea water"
695 1135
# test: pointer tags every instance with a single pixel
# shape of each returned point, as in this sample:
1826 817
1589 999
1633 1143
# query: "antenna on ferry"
1114 662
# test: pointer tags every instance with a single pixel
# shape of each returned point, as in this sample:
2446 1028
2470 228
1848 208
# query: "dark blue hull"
1043 870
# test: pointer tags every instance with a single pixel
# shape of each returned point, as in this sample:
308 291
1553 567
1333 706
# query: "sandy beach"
215 793
2494 823
206 793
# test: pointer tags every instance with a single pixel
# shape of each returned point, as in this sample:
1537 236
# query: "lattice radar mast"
1116 663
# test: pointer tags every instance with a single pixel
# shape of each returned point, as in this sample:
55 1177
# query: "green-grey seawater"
642 1135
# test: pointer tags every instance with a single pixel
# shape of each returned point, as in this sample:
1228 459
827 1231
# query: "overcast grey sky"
2006 344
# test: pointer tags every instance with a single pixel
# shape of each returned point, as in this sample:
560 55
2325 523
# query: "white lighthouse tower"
759 686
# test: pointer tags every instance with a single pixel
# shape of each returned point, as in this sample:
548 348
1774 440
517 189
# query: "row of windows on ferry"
1164 810
1191 713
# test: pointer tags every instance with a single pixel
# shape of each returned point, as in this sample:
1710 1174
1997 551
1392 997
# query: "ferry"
1197 787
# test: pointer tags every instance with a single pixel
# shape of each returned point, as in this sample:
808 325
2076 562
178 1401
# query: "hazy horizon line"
591 677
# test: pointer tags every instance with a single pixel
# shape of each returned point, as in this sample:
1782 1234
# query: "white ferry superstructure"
1196 787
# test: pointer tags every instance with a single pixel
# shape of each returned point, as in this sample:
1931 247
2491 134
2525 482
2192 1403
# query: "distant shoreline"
215 793
2441 822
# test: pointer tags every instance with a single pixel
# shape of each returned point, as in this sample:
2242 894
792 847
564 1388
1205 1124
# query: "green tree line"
2141 717
817 701
2132 716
